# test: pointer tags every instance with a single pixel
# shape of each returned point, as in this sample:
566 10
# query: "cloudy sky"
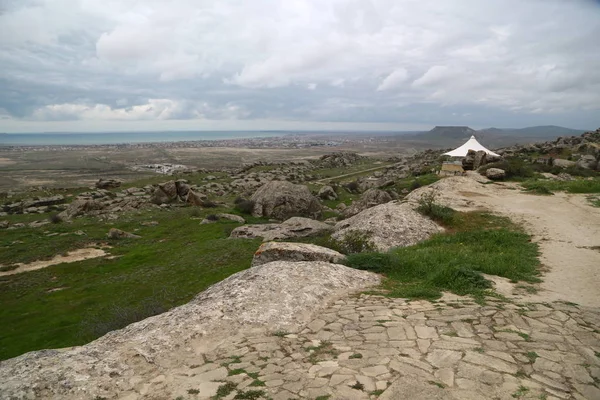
94 65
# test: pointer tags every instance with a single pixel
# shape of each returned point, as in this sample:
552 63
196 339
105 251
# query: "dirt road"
566 227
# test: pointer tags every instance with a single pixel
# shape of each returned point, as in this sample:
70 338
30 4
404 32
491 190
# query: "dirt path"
566 227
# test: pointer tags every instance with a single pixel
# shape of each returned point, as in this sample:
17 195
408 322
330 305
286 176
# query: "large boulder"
587 162
480 159
389 225
282 200
277 296
282 251
327 193
469 160
108 183
368 199
80 207
495 173
294 227
559 162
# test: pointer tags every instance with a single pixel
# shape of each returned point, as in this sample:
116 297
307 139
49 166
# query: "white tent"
471 144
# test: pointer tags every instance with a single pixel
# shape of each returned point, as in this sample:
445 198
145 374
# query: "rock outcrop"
389 225
495 173
115 233
80 207
327 193
368 199
277 296
282 200
282 251
294 227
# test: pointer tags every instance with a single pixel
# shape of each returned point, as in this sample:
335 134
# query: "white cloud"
90 58
394 79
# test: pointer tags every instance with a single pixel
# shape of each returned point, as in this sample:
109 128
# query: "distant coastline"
115 138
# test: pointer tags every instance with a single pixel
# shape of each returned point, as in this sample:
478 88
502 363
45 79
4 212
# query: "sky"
138 65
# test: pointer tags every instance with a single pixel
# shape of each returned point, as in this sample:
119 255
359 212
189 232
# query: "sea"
51 139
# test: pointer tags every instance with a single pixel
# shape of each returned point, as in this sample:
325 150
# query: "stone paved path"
369 347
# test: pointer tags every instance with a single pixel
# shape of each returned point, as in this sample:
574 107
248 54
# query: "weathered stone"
444 358
294 227
114 233
490 362
389 225
282 251
368 199
327 193
282 200
495 173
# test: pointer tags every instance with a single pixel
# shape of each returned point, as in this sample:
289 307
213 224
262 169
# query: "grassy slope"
170 264
475 242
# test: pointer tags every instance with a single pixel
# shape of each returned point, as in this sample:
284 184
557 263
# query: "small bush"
414 185
578 171
356 242
238 200
55 219
195 212
376 262
209 204
515 168
352 187
212 217
245 206
429 207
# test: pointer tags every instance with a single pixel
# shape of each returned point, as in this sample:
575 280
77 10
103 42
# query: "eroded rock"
282 251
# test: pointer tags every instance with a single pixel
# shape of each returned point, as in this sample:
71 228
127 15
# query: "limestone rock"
273 296
281 251
559 162
282 200
495 173
195 199
480 159
368 199
389 225
80 207
108 183
327 193
292 228
587 162
115 233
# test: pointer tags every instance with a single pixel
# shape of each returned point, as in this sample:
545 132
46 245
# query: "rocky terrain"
294 325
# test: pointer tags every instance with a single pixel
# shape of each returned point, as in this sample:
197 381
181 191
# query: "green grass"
594 201
453 261
168 266
575 186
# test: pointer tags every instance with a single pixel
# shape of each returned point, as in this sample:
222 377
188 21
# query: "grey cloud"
364 61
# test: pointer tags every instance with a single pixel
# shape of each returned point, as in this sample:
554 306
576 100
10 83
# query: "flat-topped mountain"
451 136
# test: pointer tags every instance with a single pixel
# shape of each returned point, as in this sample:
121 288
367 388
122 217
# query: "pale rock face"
368 199
292 228
281 251
282 200
389 225
271 297
495 173
327 193
80 207
559 162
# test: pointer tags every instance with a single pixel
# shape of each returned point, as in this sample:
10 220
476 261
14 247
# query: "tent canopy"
471 144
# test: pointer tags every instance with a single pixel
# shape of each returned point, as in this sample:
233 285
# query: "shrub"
194 212
356 242
429 207
414 185
245 206
212 217
55 219
238 200
576 170
515 168
352 187
209 204
376 262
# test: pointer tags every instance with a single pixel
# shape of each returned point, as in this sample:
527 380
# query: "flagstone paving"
358 347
